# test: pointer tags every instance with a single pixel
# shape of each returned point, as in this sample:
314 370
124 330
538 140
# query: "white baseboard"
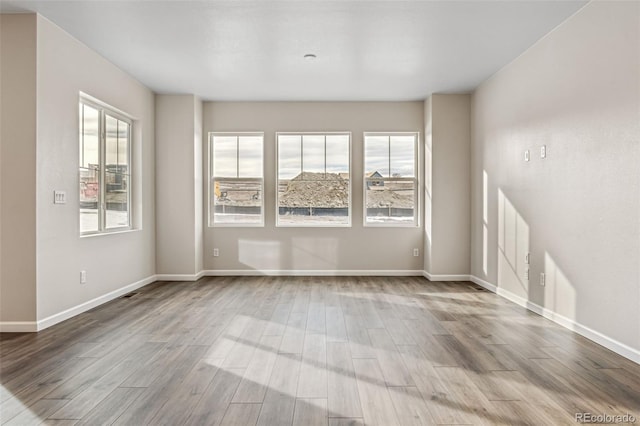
180 277
313 272
18 326
606 341
444 277
482 283
83 307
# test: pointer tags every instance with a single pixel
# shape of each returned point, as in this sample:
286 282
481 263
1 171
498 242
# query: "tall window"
313 179
236 184
390 181
105 169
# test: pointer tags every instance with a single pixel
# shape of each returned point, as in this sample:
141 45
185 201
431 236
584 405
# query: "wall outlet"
416 252
527 258
543 151
83 277
526 274
527 155
216 252
542 279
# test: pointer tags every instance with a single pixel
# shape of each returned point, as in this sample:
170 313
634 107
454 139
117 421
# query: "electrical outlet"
542 279
543 151
416 252
527 155
83 277
527 258
216 252
526 274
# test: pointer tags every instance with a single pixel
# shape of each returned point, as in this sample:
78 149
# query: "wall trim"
18 326
180 277
446 277
83 307
314 272
591 334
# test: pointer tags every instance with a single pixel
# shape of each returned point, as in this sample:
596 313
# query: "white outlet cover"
543 151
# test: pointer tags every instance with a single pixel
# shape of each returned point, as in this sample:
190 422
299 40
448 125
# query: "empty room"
319 212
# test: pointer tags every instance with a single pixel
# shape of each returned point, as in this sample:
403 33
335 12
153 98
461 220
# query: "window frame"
415 223
104 110
211 179
277 192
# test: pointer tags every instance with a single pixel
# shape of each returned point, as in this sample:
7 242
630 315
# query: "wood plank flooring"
310 351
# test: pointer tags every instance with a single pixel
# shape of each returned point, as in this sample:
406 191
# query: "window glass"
104 169
236 197
390 181
313 179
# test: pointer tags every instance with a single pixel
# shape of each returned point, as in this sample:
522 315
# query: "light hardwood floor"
310 351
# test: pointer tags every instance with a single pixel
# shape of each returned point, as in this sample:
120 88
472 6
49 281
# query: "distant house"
375 182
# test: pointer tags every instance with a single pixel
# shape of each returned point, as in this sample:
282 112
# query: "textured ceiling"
366 50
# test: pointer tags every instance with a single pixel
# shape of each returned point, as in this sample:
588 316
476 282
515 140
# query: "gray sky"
117 132
237 157
396 153
384 154
313 154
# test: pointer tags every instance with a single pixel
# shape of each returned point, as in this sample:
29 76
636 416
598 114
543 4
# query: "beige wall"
577 211
428 184
17 168
64 68
449 196
178 184
319 249
199 181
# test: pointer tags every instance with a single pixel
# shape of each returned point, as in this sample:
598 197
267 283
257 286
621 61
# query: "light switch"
543 151
527 156
59 197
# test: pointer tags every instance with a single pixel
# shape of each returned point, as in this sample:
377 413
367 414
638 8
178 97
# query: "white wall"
577 91
323 249
178 185
448 198
64 68
17 170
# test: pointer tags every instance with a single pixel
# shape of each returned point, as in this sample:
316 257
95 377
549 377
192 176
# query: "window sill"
116 232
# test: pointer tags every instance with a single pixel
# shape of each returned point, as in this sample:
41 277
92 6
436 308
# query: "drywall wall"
448 198
428 184
66 67
577 91
317 249
198 178
178 185
17 170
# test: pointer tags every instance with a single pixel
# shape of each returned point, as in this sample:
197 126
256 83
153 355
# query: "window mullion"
389 156
101 164
237 156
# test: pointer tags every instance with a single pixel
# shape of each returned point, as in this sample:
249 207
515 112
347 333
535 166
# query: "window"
313 179
105 169
236 184
390 183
